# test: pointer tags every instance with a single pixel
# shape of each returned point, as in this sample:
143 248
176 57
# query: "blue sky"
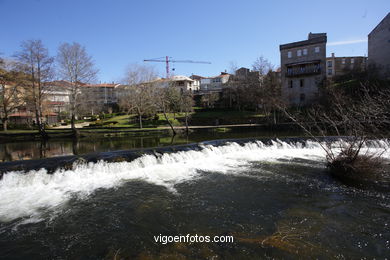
121 32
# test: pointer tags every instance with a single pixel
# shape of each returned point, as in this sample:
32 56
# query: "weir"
125 195
27 193
66 162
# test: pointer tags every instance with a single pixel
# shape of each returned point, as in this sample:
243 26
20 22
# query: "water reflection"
25 150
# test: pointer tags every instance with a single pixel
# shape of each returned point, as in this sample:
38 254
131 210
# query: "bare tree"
166 99
77 67
355 109
262 65
187 105
209 100
10 91
233 67
36 64
139 96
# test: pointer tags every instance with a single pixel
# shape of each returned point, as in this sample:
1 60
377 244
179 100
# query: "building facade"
56 96
214 84
303 69
182 82
379 47
337 66
97 98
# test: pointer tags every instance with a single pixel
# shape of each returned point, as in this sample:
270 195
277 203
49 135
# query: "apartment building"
103 94
337 66
303 69
56 96
379 47
97 98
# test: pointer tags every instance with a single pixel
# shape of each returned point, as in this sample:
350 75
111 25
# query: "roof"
20 114
219 76
59 83
174 78
313 40
196 77
102 85
180 78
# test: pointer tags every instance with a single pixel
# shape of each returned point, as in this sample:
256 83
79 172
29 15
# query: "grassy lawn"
18 131
200 113
131 121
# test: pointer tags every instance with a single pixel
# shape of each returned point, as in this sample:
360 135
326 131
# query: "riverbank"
28 135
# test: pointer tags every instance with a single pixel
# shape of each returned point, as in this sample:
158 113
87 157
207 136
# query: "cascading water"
35 196
27 194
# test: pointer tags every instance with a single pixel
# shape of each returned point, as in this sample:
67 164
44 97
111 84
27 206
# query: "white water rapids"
27 195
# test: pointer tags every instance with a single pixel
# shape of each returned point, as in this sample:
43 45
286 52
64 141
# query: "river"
276 201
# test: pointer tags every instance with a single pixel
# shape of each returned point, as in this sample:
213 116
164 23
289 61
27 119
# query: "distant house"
184 83
245 74
214 84
379 47
303 69
337 66
181 82
196 79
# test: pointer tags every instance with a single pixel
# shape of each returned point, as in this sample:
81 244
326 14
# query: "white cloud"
346 42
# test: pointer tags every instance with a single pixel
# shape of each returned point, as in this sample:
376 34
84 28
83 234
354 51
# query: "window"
302 83
330 72
330 63
343 61
304 51
289 54
299 53
302 97
352 61
290 84
317 49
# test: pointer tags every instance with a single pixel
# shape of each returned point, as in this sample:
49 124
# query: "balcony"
303 69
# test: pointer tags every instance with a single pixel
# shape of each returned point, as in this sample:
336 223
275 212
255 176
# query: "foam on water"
28 195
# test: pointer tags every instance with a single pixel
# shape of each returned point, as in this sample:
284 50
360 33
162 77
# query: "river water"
25 150
277 201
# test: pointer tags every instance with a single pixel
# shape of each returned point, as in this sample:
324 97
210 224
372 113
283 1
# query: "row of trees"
23 80
255 90
145 96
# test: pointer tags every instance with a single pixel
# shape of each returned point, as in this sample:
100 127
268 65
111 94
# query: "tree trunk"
140 121
41 127
187 123
75 132
5 123
170 124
